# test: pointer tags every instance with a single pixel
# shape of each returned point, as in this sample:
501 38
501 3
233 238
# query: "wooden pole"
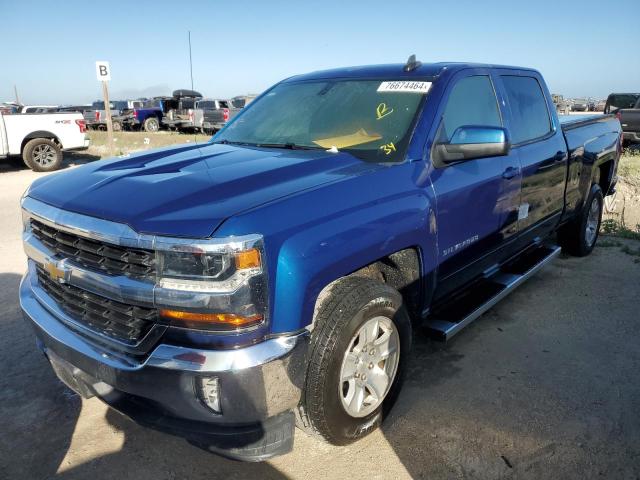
107 107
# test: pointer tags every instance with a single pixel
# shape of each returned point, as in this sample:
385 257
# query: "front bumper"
213 125
85 145
259 384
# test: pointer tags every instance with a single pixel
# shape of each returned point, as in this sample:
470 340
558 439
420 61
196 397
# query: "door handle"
510 172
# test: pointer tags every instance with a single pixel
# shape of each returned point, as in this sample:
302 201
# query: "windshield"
372 119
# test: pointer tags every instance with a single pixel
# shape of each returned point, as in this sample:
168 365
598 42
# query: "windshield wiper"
289 146
228 142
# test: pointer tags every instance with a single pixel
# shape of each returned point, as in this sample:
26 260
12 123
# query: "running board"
458 312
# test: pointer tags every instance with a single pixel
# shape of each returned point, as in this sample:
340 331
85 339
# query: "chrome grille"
96 255
128 323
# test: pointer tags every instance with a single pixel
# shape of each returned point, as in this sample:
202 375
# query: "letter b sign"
103 71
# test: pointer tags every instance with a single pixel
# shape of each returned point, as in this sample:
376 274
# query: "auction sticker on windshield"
404 86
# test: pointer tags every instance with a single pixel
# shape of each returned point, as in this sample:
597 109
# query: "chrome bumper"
256 382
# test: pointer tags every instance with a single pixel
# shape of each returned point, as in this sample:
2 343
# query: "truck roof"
396 70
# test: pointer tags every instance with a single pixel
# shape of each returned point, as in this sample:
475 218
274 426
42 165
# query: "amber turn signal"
248 259
211 320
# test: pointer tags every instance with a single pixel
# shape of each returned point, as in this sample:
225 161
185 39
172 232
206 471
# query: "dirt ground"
624 205
545 385
128 142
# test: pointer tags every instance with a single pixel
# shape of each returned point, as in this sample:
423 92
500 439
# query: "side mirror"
472 141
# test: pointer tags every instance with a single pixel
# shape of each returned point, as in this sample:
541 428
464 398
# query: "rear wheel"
117 126
579 236
42 155
359 346
151 124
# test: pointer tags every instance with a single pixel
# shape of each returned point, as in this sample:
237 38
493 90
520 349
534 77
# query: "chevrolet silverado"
273 277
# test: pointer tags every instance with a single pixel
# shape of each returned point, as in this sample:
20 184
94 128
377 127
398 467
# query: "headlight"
219 286
195 266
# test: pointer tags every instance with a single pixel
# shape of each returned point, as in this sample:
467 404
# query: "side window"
530 116
472 101
622 101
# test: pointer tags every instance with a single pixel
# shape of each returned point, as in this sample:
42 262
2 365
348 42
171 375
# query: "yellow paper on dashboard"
344 141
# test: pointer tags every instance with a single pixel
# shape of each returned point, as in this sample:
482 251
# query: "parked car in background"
600 105
181 112
221 291
242 101
96 117
75 108
562 105
216 113
8 108
39 109
41 139
580 105
626 106
148 115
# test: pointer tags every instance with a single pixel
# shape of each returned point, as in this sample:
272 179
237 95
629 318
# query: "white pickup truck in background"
41 138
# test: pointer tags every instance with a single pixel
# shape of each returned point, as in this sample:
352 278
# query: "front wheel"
358 353
579 236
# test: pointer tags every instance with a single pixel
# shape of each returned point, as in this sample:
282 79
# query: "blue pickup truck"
148 116
273 277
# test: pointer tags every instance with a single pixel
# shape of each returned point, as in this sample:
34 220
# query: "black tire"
351 303
117 126
151 124
574 237
42 155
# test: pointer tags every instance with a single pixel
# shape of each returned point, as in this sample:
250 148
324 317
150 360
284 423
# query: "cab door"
477 199
541 149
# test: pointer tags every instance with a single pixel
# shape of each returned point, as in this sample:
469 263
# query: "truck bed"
567 122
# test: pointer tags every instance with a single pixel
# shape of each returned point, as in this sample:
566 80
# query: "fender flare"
39 134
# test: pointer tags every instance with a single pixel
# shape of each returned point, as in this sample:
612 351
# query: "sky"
49 48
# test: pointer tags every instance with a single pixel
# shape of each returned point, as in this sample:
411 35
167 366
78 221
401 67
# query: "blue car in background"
274 277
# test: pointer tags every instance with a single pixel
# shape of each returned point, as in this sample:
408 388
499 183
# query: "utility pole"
103 73
15 90
107 107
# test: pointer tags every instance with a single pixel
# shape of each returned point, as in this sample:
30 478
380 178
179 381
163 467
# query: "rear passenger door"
541 149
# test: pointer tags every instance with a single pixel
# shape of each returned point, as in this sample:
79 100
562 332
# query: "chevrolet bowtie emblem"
54 272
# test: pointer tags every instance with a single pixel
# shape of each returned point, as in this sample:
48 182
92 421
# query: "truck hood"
189 191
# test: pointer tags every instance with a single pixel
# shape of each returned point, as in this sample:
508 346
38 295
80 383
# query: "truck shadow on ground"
70 159
51 440
38 414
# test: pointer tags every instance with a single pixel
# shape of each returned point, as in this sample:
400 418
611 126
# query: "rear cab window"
529 112
621 100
